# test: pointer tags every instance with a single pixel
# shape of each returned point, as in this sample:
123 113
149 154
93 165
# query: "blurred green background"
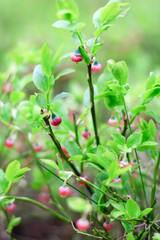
135 38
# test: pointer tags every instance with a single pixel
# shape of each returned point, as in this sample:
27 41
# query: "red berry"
86 133
117 180
82 183
108 227
43 198
64 191
96 67
11 207
82 224
65 151
55 121
76 57
37 147
9 143
113 122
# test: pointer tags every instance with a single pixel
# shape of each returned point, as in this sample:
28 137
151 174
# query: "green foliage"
78 204
67 10
14 172
40 79
15 221
46 60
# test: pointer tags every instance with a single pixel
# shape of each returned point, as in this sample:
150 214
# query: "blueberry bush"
101 177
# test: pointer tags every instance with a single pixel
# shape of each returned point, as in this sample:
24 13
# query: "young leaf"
130 236
145 212
72 148
64 72
62 24
4 183
134 140
67 10
40 79
6 112
46 60
41 101
96 47
120 140
137 110
96 20
61 95
132 208
151 81
50 163
109 13
120 72
13 223
150 94
13 171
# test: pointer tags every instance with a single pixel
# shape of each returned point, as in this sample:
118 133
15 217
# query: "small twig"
93 113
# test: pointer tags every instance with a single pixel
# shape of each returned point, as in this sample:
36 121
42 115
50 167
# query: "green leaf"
132 209
6 112
83 115
120 72
103 28
64 72
78 204
84 54
96 47
130 236
151 81
13 171
67 10
145 212
109 13
4 183
156 236
46 60
152 127
96 20
41 101
134 140
150 94
63 24
17 96
127 226
60 96
50 163
65 175
147 145
137 110
13 223
120 140
116 213
77 158
150 113
72 148
40 79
